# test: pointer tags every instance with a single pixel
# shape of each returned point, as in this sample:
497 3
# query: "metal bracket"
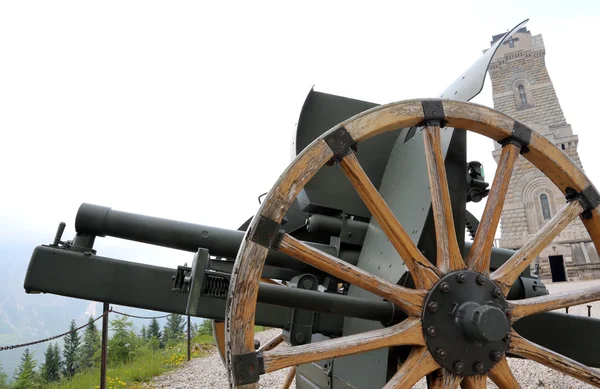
589 199
195 281
301 321
520 137
267 233
247 367
341 143
433 112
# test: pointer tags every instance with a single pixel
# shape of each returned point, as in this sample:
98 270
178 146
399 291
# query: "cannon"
358 253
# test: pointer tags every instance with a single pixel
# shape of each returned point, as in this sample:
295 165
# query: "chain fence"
4 348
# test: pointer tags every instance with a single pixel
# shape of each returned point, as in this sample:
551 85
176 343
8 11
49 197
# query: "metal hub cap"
466 323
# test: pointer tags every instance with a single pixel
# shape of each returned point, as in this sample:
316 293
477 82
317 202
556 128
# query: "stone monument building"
522 88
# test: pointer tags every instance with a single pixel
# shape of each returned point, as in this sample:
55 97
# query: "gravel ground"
209 372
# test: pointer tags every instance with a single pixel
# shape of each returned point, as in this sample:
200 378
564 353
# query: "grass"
148 364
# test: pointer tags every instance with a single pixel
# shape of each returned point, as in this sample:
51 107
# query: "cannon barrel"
98 220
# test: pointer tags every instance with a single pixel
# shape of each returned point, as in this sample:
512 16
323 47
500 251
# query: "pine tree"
3 379
154 335
174 328
90 345
51 366
124 341
26 377
206 327
144 333
70 349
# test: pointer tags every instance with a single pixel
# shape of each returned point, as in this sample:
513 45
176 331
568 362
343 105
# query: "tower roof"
497 37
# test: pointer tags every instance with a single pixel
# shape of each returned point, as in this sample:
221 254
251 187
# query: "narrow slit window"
545 206
522 95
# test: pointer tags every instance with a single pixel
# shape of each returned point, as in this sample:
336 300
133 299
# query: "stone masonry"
522 88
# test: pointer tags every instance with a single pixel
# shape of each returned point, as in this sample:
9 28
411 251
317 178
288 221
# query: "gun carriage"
358 253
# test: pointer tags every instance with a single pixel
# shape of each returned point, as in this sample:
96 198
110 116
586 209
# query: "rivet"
433 113
441 353
507 338
240 379
300 338
433 306
461 278
496 356
508 312
426 104
444 287
236 360
251 368
459 366
480 280
497 292
478 367
431 331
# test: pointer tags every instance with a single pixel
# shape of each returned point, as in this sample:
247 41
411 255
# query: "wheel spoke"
409 300
444 379
526 349
481 250
424 272
474 382
502 376
448 253
289 378
522 308
408 332
506 274
271 344
418 364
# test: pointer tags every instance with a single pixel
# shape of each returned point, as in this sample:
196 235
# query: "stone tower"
522 88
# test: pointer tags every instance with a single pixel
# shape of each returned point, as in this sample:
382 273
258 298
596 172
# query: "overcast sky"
186 110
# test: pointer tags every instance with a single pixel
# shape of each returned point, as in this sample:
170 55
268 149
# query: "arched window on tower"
545 206
522 95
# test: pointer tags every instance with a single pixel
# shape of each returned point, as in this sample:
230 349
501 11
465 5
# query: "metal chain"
3 348
142 317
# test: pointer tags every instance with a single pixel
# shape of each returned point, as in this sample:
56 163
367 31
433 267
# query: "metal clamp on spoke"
520 137
248 367
433 112
589 199
267 233
341 143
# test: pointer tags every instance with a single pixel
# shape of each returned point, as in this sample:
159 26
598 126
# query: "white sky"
186 110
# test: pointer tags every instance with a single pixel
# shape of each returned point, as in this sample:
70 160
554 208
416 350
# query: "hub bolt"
444 287
441 353
478 367
459 366
480 280
497 292
462 278
431 331
507 338
496 356
433 306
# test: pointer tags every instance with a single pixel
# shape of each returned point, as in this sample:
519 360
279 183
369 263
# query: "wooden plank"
418 364
530 306
506 274
409 300
526 349
449 257
502 376
474 382
424 272
408 332
481 250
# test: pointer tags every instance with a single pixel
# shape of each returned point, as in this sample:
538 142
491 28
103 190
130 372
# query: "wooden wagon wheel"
480 295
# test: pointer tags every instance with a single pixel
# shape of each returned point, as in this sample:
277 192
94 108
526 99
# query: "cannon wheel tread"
333 147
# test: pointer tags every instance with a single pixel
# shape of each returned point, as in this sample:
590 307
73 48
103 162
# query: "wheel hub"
466 323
